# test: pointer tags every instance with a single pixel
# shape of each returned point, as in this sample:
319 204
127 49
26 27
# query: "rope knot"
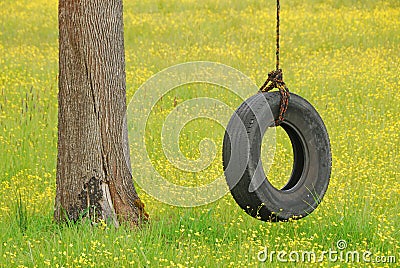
275 80
276 76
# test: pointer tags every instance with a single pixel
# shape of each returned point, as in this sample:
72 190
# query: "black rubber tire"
311 164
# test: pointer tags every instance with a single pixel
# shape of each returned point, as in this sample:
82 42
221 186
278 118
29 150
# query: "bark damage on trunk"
94 178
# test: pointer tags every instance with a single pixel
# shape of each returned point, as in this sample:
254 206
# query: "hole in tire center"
278 168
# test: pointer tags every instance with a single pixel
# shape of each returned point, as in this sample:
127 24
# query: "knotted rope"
275 78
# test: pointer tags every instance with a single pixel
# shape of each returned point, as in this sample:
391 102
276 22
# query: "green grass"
343 56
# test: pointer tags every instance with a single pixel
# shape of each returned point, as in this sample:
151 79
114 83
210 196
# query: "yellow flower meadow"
343 56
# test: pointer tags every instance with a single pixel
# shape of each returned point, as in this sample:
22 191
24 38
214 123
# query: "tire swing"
312 158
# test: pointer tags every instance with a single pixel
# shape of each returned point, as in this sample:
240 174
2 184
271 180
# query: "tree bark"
94 178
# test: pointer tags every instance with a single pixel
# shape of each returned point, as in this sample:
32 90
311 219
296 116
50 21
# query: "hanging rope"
278 9
275 78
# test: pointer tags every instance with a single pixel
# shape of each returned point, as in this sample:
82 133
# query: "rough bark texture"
93 168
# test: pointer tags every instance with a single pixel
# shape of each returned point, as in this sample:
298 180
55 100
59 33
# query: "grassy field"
343 56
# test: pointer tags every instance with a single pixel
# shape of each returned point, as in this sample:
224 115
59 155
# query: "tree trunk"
94 178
